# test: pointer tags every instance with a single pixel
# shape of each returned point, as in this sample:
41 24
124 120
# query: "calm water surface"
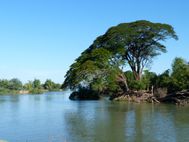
54 118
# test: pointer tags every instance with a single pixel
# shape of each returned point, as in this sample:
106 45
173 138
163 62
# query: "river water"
52 117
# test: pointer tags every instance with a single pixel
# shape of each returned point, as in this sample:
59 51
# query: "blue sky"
42 38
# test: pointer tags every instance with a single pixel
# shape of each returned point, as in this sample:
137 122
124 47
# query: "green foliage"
174 80
146 82
97 69
130 77
15 84
86 68
37 84
34 87
101 67
51 86
137 85
28 86
10 86
4 91
36 91
4 84
163 80
148 79
180 75
136 42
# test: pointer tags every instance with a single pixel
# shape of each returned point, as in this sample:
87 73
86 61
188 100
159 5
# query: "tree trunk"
137 76
123 81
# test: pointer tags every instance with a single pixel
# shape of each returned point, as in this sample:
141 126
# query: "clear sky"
42 38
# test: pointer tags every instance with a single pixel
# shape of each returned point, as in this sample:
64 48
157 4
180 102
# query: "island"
116 65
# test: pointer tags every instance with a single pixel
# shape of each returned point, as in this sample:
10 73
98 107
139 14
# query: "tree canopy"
136 42
97 69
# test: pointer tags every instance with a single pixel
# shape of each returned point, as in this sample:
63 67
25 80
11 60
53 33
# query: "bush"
36 91
8 92
137 85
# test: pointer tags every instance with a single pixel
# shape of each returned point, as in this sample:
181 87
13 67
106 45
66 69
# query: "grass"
8 92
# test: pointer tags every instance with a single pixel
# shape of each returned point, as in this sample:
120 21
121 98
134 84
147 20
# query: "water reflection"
52 117
121 122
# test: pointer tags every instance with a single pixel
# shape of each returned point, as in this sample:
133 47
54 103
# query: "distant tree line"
14 86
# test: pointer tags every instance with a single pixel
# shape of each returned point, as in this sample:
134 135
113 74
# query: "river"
52 117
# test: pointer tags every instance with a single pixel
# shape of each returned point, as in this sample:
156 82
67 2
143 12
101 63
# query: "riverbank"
177 98
23 92
142 96
135 96
7 92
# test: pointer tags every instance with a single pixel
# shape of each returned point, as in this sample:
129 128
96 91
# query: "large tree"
102 65
137 42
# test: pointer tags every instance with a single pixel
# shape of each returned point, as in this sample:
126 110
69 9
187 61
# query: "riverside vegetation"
102 69
15 86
